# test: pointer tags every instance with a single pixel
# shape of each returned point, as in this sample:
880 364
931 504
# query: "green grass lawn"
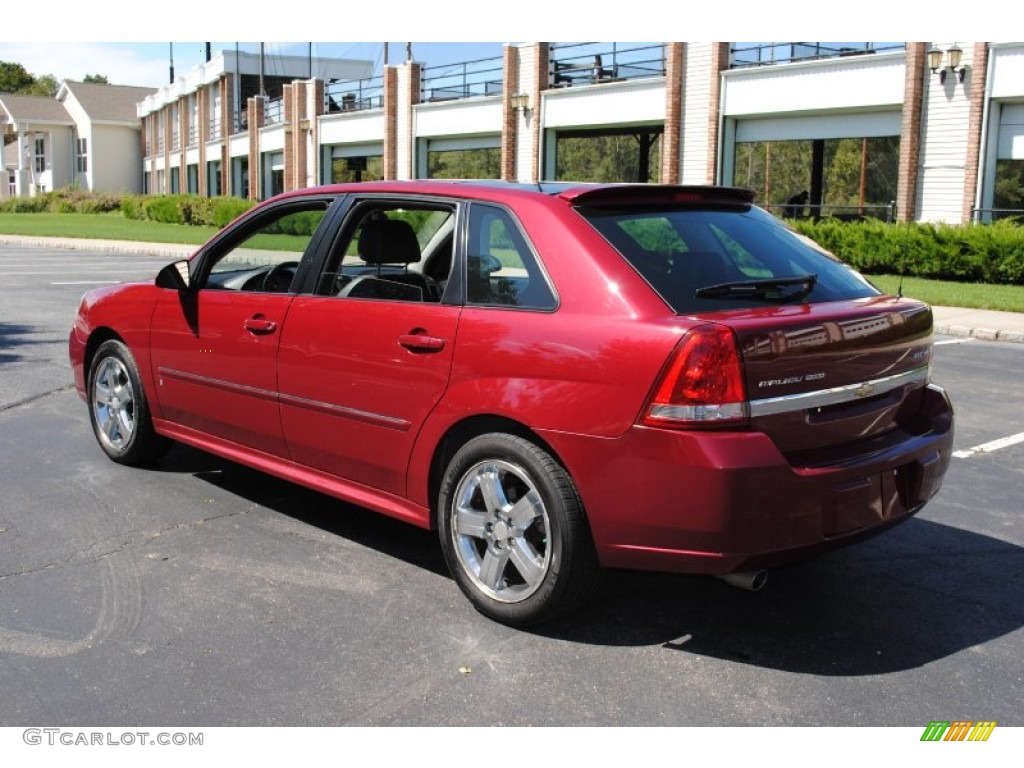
1008 298
95 226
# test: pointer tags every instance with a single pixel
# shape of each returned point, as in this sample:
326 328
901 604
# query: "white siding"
350 128
272 139
115 159
524 126
404 160
856 125
469 116
859 82
696 113
1007 71
940 194
635 103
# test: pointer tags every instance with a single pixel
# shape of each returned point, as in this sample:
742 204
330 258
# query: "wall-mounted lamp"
955 55
520 102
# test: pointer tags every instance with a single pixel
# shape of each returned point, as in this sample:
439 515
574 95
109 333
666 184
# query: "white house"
88 135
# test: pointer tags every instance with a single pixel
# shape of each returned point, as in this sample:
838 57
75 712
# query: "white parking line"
955 341
994 445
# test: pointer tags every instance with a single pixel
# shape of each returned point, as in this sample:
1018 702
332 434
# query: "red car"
558 378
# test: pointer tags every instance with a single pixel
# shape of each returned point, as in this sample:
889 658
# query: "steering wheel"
272 282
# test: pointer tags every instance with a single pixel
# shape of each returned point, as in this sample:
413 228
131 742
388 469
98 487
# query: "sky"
147 64
99 42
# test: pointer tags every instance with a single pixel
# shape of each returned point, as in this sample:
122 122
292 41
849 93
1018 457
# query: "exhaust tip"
752 581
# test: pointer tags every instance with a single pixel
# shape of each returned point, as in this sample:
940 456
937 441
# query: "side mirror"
174 276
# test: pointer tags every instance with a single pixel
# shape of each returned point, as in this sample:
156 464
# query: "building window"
192 179
12 183
613 155
482 163
39 162
342 170
175 181
1009 193
845 178
213 186
82 155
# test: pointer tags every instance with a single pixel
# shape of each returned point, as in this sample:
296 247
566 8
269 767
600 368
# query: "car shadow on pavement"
14 335
918 593
357 524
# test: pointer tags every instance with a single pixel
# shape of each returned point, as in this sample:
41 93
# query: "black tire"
118 409
520 548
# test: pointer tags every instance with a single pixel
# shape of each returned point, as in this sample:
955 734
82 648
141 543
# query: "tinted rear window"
681 251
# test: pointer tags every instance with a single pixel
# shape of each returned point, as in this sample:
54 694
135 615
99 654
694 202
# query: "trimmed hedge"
170 209
989 253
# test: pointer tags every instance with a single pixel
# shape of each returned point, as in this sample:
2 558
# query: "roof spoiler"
633 194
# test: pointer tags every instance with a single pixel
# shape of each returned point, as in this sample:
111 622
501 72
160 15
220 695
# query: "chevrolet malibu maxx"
558 378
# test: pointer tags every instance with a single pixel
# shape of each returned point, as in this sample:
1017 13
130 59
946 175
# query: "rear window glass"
680 252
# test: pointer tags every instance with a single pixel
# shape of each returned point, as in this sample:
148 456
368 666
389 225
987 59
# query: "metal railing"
193 134
213 126
590 63
988 215
354 95
462 80
175 141
273 111
240 120
764 54
884 211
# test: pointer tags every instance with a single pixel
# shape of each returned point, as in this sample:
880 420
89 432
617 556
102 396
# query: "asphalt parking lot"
202 593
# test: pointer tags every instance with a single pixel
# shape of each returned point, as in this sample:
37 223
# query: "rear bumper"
720 502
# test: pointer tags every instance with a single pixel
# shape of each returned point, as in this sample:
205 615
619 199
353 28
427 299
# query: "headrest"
388 241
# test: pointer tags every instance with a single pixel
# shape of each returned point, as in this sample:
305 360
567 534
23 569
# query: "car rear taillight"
702 384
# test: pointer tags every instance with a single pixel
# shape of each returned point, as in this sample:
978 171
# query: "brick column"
291 115
910 132
509 117
182 144
389 161
204 136
978 76
227 127
168 141
539 82
672 137
254 110
719 63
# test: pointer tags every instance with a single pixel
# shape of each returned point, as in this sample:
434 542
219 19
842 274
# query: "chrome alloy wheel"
500 531
113 403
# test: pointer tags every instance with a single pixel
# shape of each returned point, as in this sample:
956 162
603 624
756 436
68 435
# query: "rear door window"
501 268
682 251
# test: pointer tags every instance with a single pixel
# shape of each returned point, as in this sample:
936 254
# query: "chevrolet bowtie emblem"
864 390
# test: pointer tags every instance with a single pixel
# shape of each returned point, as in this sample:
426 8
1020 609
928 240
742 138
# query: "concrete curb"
168 250
983 334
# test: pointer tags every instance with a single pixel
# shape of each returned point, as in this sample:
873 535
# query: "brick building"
923 131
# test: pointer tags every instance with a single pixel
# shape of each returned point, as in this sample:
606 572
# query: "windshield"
685 253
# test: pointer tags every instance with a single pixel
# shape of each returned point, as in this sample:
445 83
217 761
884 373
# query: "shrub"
131 206
227 209
990 253
163 208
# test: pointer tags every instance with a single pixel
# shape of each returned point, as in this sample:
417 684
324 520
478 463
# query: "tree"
97 78
14 78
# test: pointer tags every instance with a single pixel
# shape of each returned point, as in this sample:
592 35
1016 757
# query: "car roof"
575 193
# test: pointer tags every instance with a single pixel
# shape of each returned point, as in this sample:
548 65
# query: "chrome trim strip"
226 386
331 409
835 395
380 420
